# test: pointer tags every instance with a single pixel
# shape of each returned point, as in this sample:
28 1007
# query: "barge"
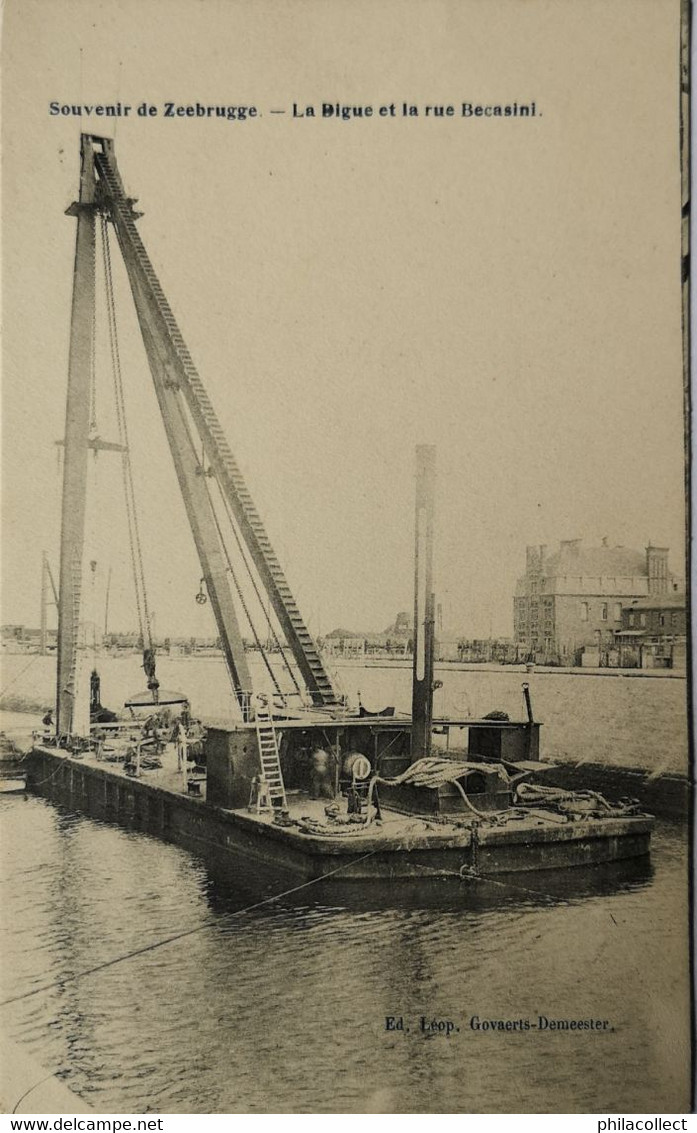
413 838
299 781
313 795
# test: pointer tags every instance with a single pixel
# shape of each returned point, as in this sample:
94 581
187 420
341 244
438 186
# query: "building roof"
596 561
401 627
671 601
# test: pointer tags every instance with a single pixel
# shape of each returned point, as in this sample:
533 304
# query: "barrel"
356 766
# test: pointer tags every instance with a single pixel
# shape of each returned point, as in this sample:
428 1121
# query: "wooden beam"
424 603
77 420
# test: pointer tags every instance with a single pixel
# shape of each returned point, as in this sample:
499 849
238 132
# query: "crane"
197 444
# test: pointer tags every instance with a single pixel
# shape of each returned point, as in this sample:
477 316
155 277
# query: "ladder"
269 758
70 685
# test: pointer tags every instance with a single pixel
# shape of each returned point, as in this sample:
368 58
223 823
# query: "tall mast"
77 423
424 603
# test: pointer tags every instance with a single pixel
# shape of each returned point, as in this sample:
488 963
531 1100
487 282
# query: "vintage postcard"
344 674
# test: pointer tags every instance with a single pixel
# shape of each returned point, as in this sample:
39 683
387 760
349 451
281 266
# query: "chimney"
532 559
569 549
657 569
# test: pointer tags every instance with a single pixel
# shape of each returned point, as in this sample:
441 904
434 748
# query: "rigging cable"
93 375
209 923
134 536
241 597
18 675
201 465
233 574
267 616
144 618
247 565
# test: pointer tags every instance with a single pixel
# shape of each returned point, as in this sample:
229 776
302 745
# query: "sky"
506 289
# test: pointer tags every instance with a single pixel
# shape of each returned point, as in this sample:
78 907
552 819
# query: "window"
584 611
642 621
674 620
618 611
661 619
631 620
603 612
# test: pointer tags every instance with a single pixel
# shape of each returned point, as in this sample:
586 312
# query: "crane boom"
176 378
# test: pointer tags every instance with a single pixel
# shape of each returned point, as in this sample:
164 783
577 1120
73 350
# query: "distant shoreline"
491 667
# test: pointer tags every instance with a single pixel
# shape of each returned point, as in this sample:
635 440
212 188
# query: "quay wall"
614 721
666 796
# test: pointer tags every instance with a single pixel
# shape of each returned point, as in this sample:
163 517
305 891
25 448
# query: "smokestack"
657 569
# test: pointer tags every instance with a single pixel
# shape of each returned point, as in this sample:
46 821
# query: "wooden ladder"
269 756
71 682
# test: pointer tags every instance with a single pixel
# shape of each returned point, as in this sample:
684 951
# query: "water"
623 721
282 1008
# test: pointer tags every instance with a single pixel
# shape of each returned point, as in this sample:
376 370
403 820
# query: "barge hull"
102 793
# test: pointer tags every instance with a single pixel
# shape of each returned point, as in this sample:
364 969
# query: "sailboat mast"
77 423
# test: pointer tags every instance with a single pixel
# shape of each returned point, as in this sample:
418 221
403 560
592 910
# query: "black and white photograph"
344 648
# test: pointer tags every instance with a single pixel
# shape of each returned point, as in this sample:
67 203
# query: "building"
396 639
654 633
569 605
25 639
497 650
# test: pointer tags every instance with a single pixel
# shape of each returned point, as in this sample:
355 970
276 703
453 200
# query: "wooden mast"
77 423
424 603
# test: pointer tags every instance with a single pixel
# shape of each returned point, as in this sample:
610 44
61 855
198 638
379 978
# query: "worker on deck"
321 774
47 722
182 742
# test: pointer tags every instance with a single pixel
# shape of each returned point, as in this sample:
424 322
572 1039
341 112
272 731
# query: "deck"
399 846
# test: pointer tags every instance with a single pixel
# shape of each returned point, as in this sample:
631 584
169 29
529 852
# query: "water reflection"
231 880
281 1007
